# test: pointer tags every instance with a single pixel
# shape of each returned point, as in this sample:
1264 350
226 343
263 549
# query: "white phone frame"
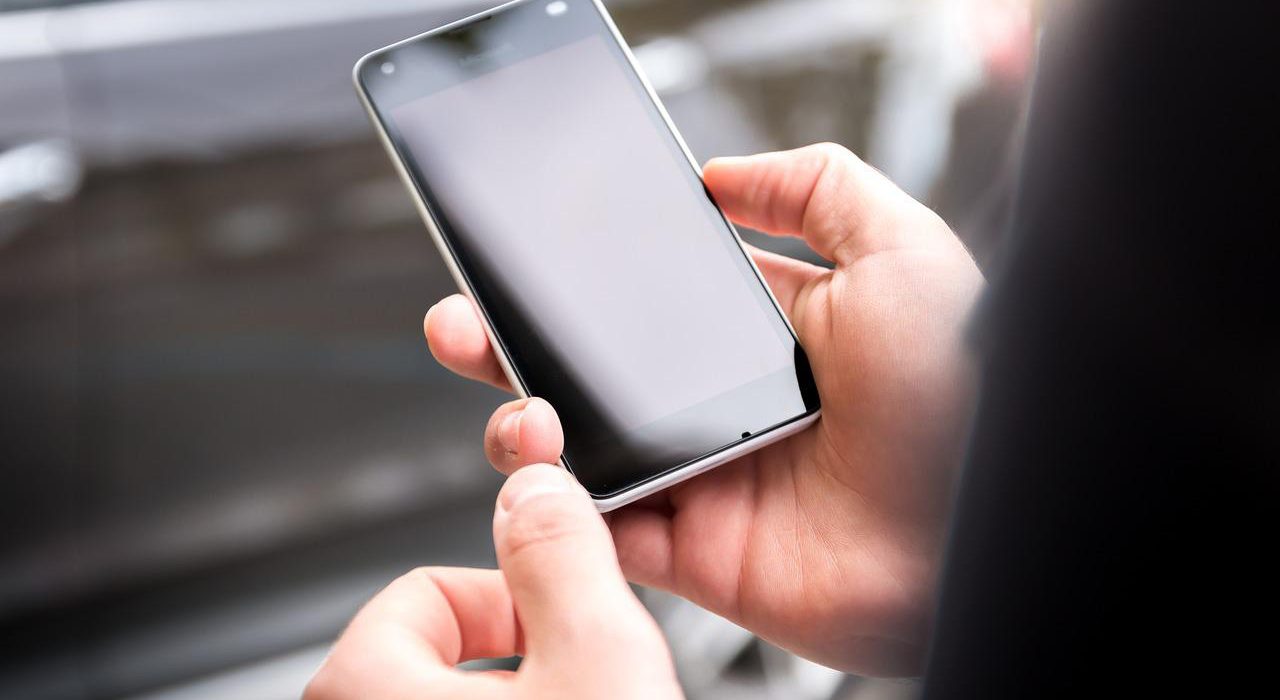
669 478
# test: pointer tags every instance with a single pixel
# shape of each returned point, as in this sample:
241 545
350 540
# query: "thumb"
562 570
842 207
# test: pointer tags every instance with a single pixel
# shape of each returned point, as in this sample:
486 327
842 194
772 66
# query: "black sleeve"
1115 526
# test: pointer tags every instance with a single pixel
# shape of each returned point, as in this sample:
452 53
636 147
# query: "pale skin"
827 543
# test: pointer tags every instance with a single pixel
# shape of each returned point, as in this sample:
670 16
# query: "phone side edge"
434 30
437 237
688 471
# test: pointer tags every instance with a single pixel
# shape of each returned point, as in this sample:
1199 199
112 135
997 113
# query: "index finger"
406 641
456 336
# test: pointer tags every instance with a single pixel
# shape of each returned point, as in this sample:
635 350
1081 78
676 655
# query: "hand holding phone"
599 274
826 543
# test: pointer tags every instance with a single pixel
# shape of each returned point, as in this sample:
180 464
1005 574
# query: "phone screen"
608 274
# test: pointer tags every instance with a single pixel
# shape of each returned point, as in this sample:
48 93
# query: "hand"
559 600
826 543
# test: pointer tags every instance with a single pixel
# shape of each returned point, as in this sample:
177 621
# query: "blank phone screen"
610 278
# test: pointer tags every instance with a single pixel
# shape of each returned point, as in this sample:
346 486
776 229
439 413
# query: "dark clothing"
1115 527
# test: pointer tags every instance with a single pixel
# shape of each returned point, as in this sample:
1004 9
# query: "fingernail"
509 431
558 481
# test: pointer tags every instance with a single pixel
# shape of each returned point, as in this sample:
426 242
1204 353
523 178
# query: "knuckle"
419 577
411 585
323 685
831 151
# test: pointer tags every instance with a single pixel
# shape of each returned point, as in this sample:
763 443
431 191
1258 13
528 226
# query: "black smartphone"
570 211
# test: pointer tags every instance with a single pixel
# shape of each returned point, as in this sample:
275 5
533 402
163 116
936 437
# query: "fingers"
407 639
458 341
523 432
560 565
695 547
460 614
843 208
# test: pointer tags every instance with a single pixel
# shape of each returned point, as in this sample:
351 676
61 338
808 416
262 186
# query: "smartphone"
570 211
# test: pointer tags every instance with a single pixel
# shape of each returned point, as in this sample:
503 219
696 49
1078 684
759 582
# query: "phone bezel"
661 480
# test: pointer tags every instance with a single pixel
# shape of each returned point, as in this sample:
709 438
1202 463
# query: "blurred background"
220 429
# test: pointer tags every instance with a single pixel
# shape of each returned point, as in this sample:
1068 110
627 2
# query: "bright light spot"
557 8
673 64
